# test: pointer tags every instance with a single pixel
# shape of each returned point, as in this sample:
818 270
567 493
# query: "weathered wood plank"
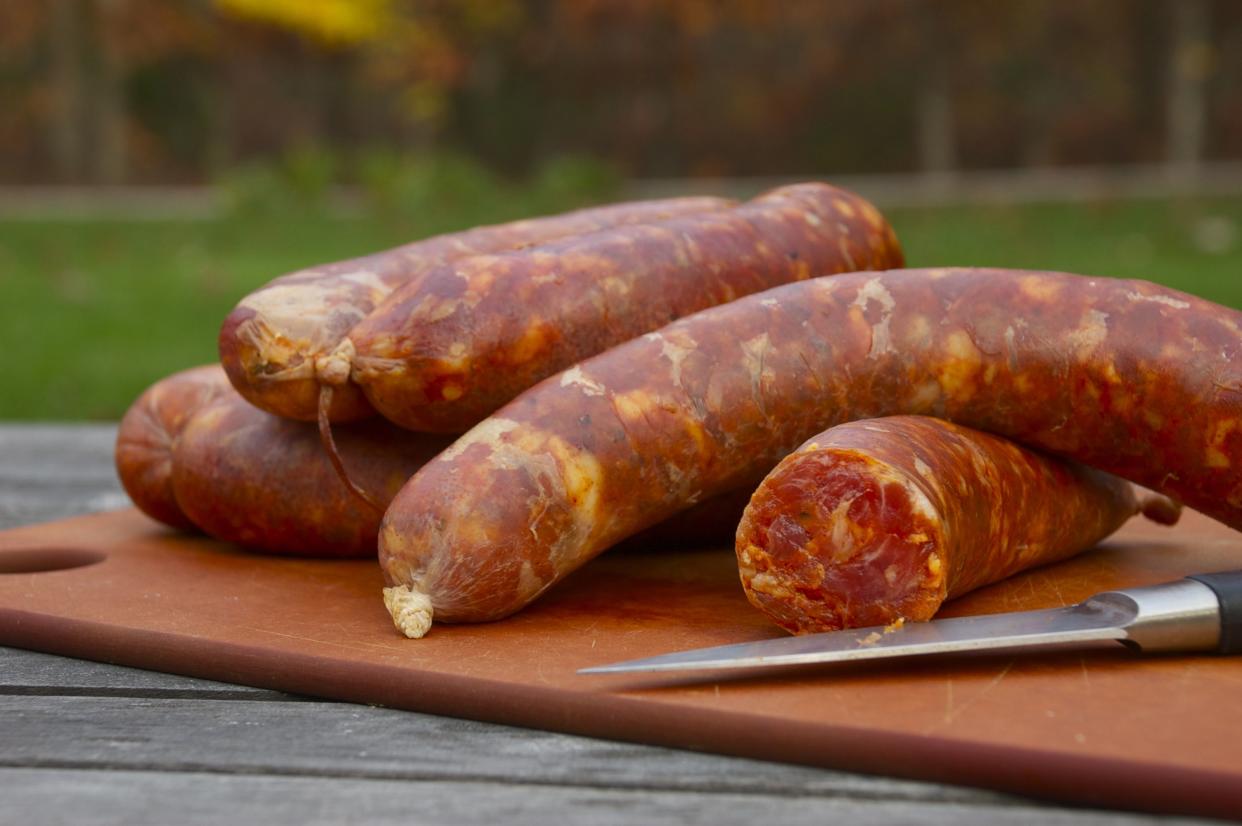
31 672
40 451
110 797
341 739
51 471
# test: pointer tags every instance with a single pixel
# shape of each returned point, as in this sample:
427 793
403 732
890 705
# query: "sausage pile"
613 368
447 329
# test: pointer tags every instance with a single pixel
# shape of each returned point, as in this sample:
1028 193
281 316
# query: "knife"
1200 613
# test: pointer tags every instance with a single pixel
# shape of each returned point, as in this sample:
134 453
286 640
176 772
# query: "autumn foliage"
177 90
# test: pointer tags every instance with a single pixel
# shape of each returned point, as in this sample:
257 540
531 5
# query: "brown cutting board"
1098 726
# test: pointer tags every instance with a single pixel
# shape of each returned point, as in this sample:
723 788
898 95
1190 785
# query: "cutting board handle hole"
41 560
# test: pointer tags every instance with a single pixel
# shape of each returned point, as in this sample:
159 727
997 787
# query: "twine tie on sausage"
334 456
335 368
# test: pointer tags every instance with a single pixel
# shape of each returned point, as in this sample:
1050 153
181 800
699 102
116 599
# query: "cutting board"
1099 726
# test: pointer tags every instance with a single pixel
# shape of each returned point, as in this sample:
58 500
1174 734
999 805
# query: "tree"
1190 61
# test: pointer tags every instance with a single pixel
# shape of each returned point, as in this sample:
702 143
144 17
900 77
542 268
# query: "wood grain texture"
316 739
32 672
50 471
106 798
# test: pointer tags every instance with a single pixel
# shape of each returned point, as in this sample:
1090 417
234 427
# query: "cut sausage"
264 482
881 520
445 351
148 431
1126 376
277 339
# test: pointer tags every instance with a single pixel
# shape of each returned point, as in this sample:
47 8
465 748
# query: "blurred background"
161 158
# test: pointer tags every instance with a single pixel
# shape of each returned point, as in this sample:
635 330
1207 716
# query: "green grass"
1191 245
93 312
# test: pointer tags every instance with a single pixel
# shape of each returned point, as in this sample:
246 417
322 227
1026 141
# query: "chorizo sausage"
275 340
191 453
150 429
445 351
881 520
1135 379
264 482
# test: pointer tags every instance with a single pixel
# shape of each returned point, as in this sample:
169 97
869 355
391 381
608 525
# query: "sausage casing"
150 429
245 476
275 343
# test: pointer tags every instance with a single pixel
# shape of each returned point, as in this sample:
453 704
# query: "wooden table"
87 742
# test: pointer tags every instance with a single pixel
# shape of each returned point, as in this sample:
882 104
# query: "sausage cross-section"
1129 377
880 520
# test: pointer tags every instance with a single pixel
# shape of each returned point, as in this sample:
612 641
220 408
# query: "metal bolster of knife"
1228 589
1188 615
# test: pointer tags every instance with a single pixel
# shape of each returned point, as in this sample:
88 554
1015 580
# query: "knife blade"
1200 613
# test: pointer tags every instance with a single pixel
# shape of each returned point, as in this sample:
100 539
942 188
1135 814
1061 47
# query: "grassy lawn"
93 312
1192 245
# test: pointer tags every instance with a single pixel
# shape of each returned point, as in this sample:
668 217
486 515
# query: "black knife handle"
1227 585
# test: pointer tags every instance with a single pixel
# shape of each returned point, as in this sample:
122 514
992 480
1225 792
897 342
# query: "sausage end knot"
411 610
334 368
